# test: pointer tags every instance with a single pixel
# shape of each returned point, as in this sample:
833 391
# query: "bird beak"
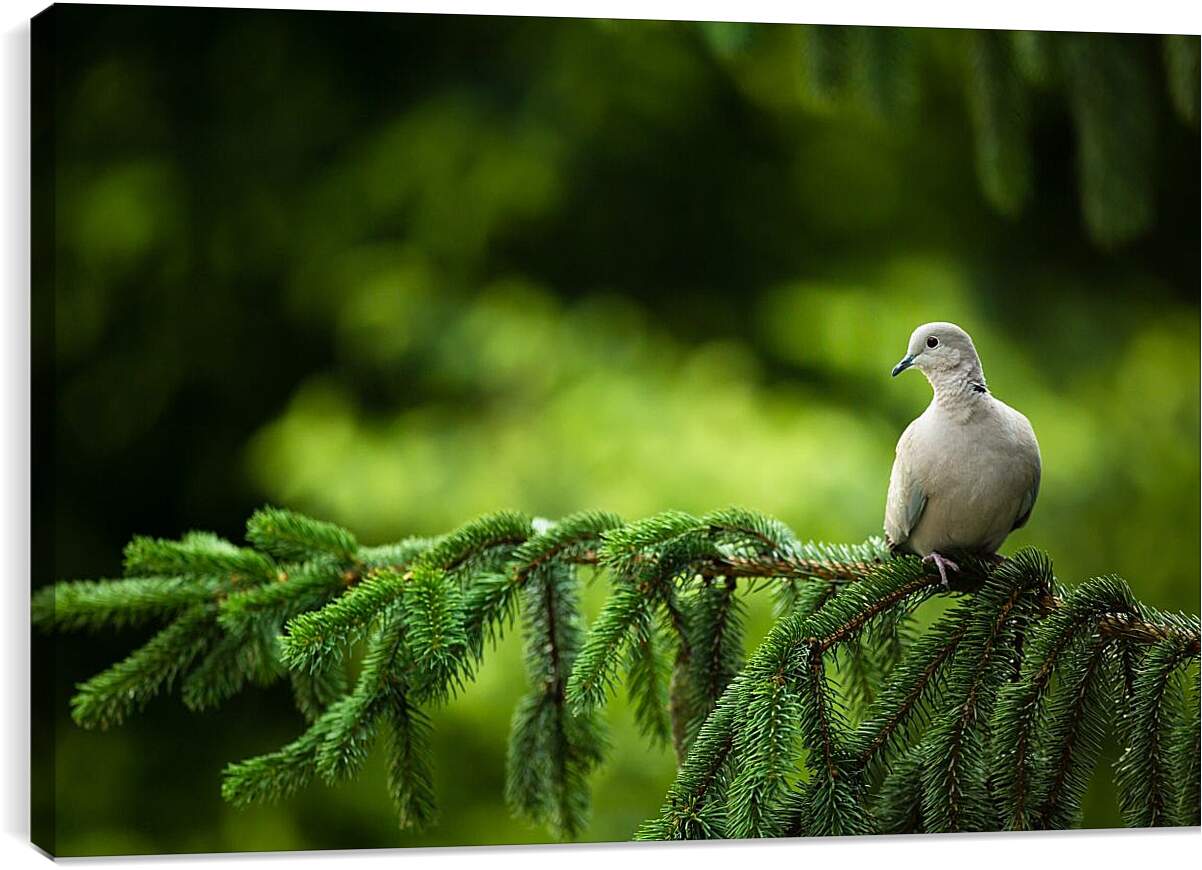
906 362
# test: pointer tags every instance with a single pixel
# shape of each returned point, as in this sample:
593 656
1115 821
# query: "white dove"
967 470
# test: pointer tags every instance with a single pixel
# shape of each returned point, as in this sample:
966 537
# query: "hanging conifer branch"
1143 777
992 717
713 626
552 748
1073 737
1110 85
955 771
910 686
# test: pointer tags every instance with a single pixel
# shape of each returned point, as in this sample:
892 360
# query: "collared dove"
967 470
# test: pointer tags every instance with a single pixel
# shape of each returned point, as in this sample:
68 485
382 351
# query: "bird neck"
960 393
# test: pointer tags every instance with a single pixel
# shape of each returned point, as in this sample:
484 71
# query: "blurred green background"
399 270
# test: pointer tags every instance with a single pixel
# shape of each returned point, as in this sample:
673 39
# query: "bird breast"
975 476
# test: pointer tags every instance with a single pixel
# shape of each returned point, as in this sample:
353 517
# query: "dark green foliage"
625 615
111 696
410 779
197 554
727 38
552 747
998 107
1033 58
1181 67
955 757
871 69
314 636
898 807
1185 750
1110 92
1106 80
315 690
1072 740
825 63
433 628
1022 707
1145 778
276 775
714 643
907 696
291 536
993 717
884 65
89 604
648 673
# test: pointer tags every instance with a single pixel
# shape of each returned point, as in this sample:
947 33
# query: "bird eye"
932 342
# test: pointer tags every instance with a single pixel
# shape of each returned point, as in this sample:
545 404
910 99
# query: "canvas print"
466 430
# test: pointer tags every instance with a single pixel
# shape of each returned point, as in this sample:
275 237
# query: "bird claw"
943 564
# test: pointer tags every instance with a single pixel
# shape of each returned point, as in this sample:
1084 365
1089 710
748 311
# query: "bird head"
942 352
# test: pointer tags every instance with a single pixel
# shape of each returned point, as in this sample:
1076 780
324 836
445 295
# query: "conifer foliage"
846 719
1111 86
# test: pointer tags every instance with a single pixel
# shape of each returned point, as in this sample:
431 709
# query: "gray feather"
1028 502
967 470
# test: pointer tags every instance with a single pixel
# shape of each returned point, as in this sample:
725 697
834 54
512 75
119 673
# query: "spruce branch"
1142 771
898 806
410 779
713 618
229 664
594 672
648 672
955 765
1072 741
297 538
276 775
765 752
692 809
99 604
301 587
113 695
911 686
315 636
316 689
488 540
355 718
197 554
490 602
1083 613
434 637
1184 750
553 747
993 716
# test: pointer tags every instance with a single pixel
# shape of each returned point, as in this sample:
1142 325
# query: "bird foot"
943 564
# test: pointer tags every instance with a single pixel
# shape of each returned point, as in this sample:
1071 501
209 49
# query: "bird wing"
1028 503
906 500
